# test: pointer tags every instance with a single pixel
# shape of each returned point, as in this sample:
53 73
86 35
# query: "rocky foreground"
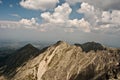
62 61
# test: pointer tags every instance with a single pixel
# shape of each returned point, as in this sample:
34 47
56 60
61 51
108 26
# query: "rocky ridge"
63 61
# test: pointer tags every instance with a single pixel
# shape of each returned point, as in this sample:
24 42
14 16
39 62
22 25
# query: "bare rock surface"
63 61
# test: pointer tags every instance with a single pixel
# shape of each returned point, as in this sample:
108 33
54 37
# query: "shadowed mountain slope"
91 46
19 58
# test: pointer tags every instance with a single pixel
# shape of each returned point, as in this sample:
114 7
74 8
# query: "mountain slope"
18 59
62 61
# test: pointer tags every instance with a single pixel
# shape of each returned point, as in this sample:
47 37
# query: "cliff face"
62 61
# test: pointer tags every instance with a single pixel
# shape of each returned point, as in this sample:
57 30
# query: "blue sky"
7 11
68 20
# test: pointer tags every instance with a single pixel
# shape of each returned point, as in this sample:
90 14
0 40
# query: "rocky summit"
63 61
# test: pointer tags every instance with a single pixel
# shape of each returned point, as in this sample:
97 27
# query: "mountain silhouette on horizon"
91 46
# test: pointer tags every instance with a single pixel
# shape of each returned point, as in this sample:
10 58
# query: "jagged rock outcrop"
62 61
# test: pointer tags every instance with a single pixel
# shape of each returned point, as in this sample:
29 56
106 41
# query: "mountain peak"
58 43
61 42
19 57
91 46
30 46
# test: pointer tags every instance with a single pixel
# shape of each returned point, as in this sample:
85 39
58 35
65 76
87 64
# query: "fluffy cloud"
91 14
79 24
61 13
39 4
9 24
95 19
23 23
115 15
28 22
105 21
60 18
105 5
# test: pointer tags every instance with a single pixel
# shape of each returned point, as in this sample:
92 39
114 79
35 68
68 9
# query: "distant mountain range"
62 61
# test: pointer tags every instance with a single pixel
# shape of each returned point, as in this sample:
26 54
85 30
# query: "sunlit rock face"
63 61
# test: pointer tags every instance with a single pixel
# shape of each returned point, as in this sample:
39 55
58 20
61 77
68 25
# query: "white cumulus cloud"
39 4
28 22
9 24
105 5
79 24
104 21
60 18
91 14
23 24
61 13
